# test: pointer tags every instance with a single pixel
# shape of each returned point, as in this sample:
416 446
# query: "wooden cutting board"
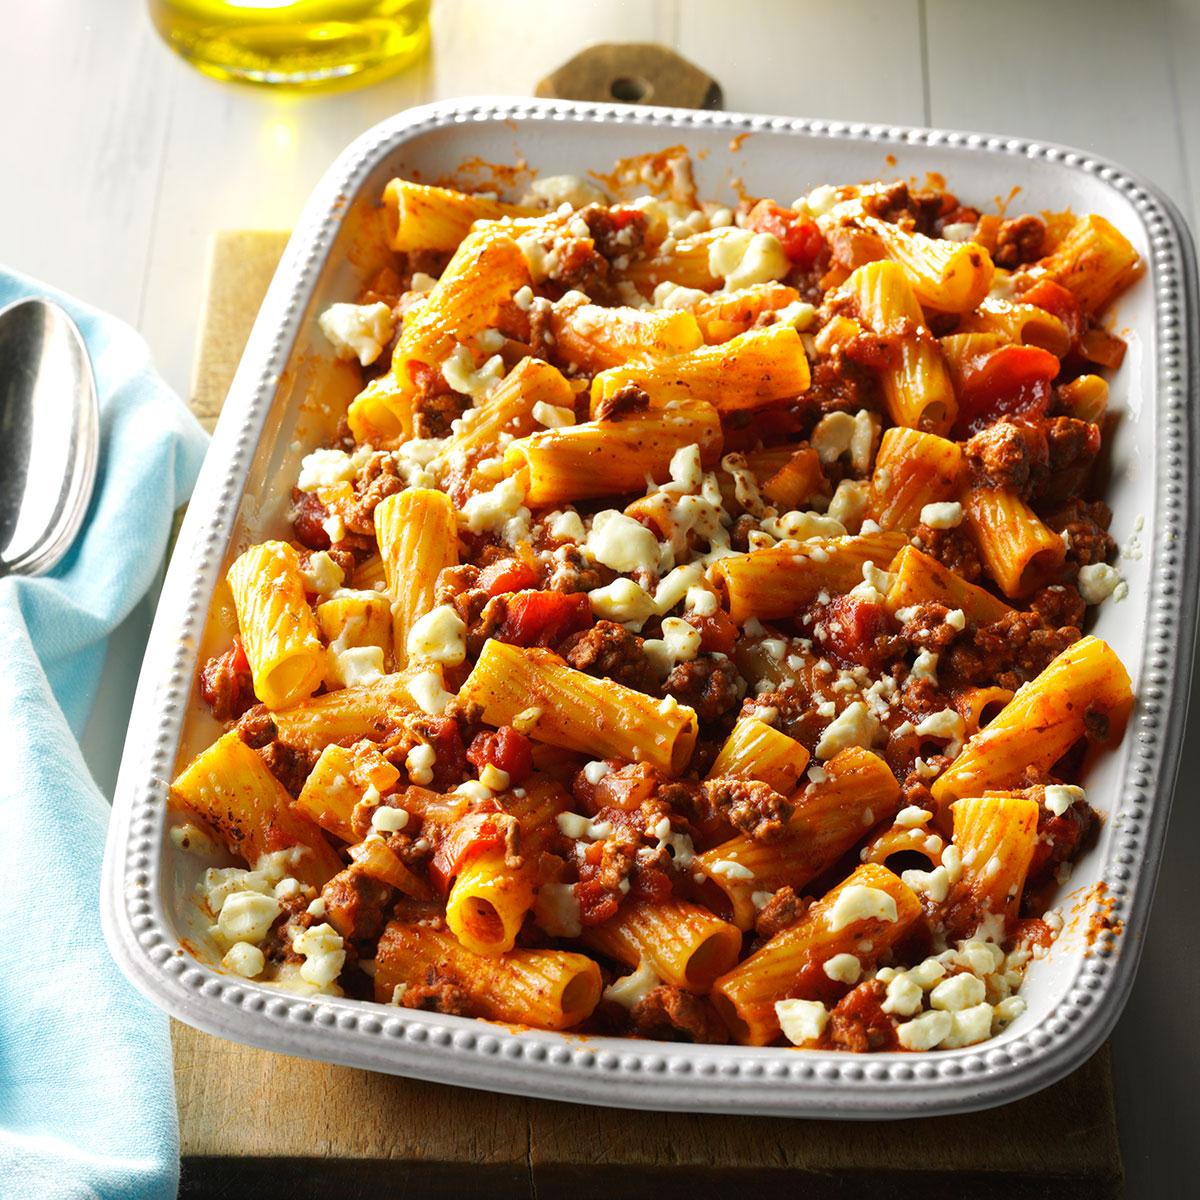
256 1124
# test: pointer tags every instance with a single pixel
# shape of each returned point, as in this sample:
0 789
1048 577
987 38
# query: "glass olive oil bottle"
295 43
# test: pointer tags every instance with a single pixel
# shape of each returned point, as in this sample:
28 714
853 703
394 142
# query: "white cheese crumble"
843 968
247 917
428 692
439 636
730 869
324 468
322 575
323 952
1098 581
910 816
244 959
557 910
945 724
388 820
802 1021
460 373
355 666
855 726
358 330
630 990
490 512
620 542
494 779
623 601
945 515
744 258
924 1032
858 902
552 416
574 825
555 190
1060 797
419 763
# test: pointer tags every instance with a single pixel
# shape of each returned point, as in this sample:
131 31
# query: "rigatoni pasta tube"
507 411
918 390
864 916
418 536
859 790
724 315
354 619
686 945
229 787
685 262
921 579
352 712
421 217
279 631
383 413
1085 687
952 277
594 716
754 750
337 783
607 458
796 481
1085 398
753 369
1093 262
781 580
912 469
486 270
546 989
995 835
1020 552
489 899
980 705
593 337
1024 323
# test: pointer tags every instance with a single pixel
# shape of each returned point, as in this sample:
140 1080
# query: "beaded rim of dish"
569 1066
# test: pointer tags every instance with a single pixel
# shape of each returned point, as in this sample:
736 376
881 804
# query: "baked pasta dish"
683 636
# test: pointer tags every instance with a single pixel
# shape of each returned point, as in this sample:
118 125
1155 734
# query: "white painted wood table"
119 162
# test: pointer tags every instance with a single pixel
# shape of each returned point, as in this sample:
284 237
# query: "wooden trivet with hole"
257 1124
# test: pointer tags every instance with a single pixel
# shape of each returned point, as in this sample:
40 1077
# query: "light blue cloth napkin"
87 1104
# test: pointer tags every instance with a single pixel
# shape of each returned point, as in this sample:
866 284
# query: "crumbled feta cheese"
247 917
193 839
1097 581
573 825
596 770
322 575
680 642
904 995
935 884
944 724
744 258
802 1021
622 543
354 666
493 778
850 501
855 726
325 468
552 416
388 820
1008 1010
630 990
488 512
623 601
924 1032
1060 797
358 330
831 437
439 636
556 190
460 373
419 763
474 790
557 910
925 667
324 954
428 692
245 960
945 515
673 295
843 968
910 816
526 720
860 903
420 282
565 526
968 1026
958 992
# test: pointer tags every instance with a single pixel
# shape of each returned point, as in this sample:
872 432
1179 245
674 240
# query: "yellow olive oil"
295 43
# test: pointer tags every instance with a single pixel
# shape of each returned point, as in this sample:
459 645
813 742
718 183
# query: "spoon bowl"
49 435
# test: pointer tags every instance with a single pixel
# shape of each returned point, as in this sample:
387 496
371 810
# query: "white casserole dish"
280 406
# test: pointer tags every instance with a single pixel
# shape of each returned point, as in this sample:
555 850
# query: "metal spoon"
49 435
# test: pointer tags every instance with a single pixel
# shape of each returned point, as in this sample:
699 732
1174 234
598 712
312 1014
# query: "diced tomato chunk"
308 520
596 903
852 627
464 840
718 633
507 575
506 750
800 237
650 883
226 684
544 618
1009 382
